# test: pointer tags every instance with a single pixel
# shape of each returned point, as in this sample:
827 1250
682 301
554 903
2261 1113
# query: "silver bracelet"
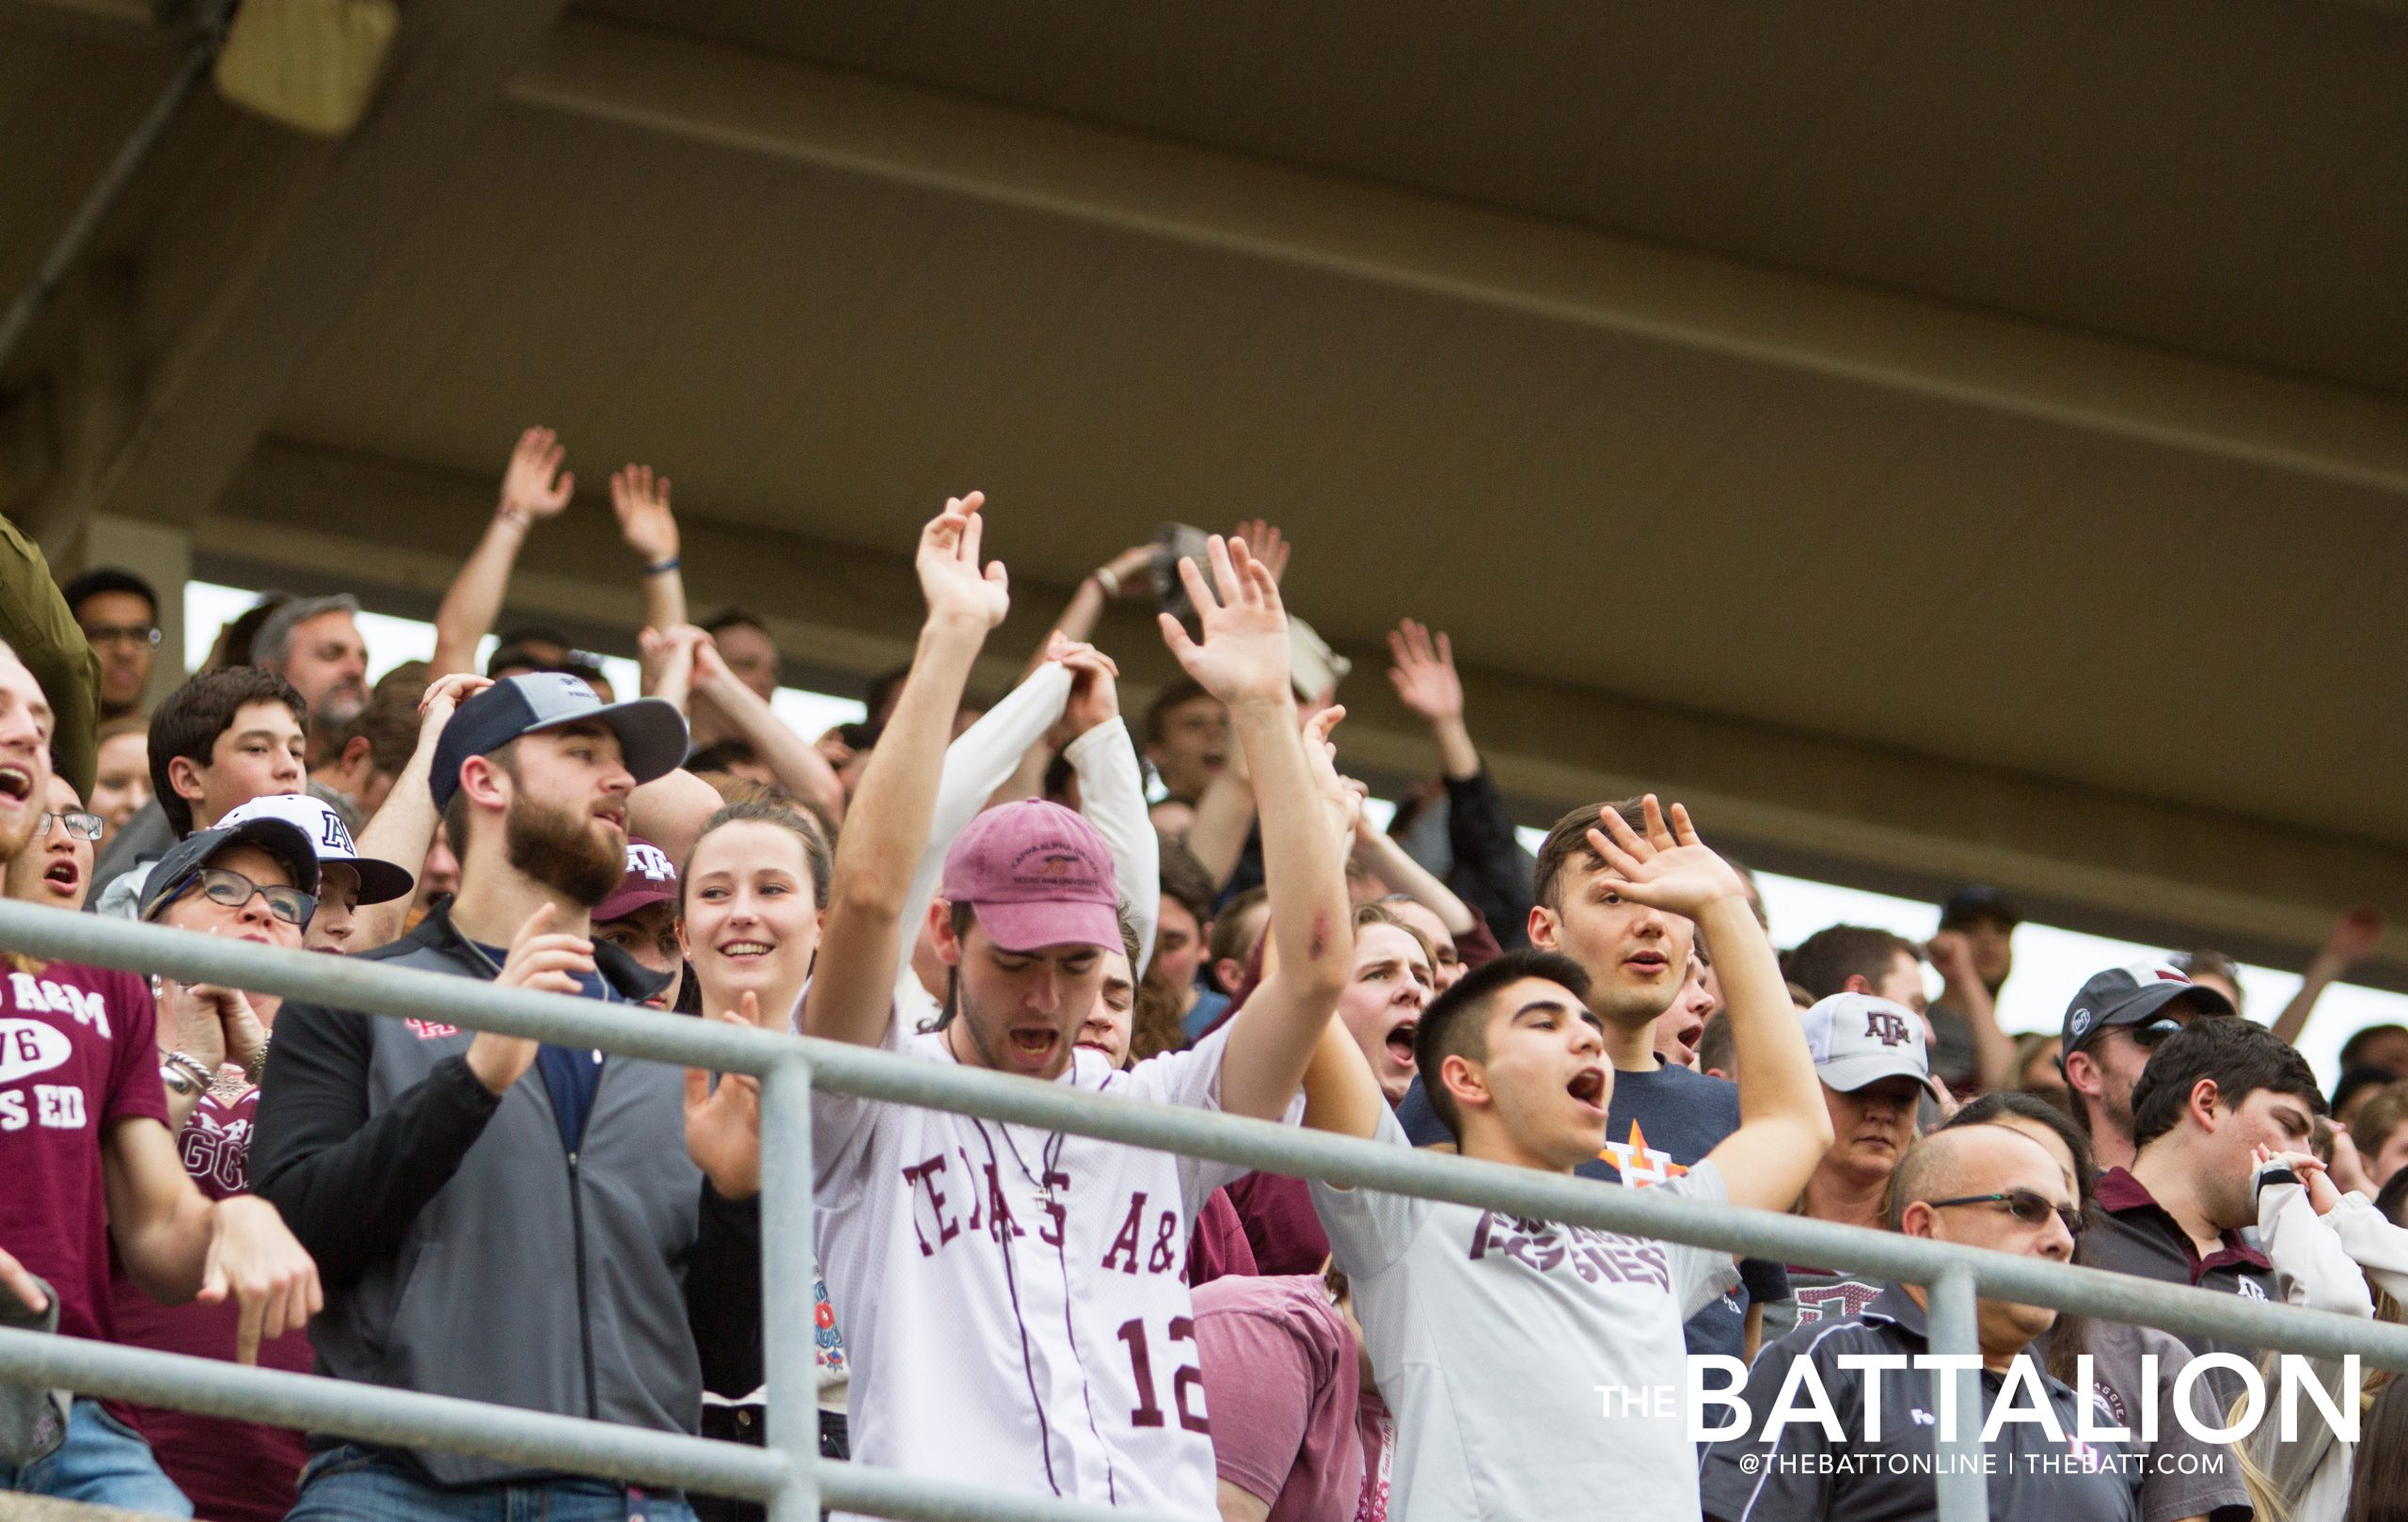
190 1066
256 1068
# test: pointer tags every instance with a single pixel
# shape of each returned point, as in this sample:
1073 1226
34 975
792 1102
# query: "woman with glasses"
56 870
256 880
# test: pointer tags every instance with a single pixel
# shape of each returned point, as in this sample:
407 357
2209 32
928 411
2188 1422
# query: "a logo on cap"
2081 1023
334 836
1051 863
652 861
1886 1028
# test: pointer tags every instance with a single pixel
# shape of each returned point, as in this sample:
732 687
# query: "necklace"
1052 1154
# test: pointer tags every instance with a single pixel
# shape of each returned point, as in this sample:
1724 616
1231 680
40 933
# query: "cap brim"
380 882
1023 927
2144 1006
652 733
622 904
1847 1075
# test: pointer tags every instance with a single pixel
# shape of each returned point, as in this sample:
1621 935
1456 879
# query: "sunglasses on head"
224 885
2027 1206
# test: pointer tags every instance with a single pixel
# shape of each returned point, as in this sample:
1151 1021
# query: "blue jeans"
350 1483
102 1463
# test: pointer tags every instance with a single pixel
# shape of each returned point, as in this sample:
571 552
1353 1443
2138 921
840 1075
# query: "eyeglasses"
223 885
82 826
122 634
2025 1205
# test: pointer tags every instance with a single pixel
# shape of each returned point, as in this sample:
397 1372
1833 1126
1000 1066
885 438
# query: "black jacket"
466 1252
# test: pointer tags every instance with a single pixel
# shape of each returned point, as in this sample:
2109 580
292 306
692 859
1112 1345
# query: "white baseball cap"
379 880
1858 1039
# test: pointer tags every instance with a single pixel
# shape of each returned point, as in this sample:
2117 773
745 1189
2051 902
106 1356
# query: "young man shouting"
1012 1298
1497 1404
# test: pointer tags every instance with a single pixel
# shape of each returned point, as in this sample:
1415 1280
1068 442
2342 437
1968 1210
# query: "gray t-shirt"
2181 1476
1490 1336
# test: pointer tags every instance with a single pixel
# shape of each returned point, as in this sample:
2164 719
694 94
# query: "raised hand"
1424 674
1668 868
641 503
2354 935
1266 544
1342 797
1243 657
1951 958
1118 575
724 1121
1095 693
533 487
542 960
947 560
254 1258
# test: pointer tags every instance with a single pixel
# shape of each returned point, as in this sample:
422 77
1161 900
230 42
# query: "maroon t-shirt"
1280 1226
1283 1380
1216 1247
77 1053
234 1471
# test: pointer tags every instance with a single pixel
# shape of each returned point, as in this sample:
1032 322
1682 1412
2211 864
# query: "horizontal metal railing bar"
861 1070
396 1419
403 993
568 1445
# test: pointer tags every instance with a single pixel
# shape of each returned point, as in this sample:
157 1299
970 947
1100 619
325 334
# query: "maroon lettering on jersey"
1128 1239
1595 1257
923 1176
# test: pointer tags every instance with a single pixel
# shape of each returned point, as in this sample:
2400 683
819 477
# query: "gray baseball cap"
2131 996
1858 1039
652 732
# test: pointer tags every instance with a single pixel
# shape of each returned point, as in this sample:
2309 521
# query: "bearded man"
577 1235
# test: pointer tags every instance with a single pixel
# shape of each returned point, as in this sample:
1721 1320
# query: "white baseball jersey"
1015 1300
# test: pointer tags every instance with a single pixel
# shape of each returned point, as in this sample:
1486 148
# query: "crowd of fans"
408 1204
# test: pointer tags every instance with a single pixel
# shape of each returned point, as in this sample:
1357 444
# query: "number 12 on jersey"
1186 1380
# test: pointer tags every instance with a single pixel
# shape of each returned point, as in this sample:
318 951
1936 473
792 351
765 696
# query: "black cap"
652 732
102 578
281 839
2131 996
1979 902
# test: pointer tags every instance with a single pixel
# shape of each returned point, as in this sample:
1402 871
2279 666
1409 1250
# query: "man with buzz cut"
1013 1299
1498 1401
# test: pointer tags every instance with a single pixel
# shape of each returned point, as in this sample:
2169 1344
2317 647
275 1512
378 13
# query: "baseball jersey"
1014 1299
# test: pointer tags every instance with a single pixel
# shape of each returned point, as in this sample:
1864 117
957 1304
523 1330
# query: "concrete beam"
1842 811
213 394
956 145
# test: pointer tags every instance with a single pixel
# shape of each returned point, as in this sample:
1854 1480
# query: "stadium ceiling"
1939 441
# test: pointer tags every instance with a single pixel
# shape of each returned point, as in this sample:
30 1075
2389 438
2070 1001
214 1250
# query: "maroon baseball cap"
1038 876
651 878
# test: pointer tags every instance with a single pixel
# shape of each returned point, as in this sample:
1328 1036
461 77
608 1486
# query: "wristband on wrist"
512 514
663 568
1109 581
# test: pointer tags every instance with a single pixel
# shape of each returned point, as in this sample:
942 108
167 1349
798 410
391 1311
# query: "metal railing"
788 1475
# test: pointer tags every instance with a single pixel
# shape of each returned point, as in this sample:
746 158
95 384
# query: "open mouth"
616 817
745 950
63 878
16 784
1588 1085
1400 1042
1647 961
1034 1044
